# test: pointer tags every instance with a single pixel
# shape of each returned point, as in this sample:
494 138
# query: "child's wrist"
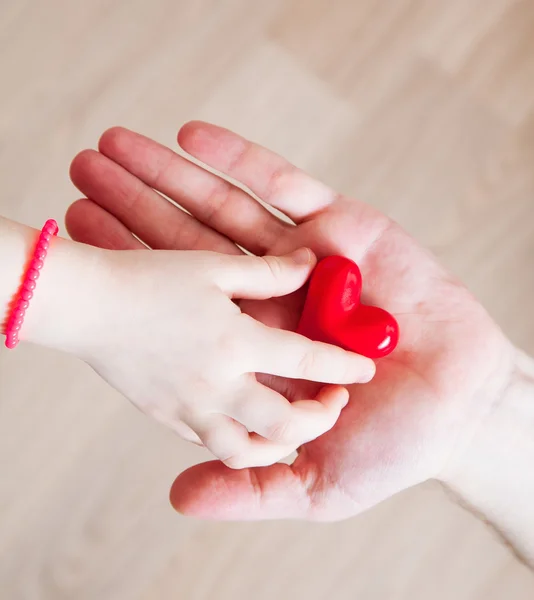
64 311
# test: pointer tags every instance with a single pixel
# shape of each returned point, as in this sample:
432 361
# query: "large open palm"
427 398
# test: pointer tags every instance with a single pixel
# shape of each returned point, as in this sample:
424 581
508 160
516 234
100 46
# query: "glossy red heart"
334 314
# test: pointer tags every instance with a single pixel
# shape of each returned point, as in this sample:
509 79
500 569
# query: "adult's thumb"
213 491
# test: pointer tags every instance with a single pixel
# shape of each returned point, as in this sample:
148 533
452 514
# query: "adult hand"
428 398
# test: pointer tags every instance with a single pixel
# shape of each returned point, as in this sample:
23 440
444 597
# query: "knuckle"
225 359
273 265
279 178
211 269
229 345
281 431
201 385
218 198
231 349
308 362
216 374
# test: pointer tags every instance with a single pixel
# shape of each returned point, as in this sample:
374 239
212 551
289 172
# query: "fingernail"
302 256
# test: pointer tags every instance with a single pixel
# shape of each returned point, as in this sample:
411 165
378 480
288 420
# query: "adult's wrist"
494 477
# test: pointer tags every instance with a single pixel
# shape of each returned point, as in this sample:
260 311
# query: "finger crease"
256 486
239 159
217 199
162 171
274 185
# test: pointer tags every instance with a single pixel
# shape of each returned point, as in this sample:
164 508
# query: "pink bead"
12 341
16 318
51 227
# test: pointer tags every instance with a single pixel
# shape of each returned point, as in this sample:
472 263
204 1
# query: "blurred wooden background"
423 108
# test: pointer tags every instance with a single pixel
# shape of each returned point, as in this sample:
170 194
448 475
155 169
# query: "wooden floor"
424 109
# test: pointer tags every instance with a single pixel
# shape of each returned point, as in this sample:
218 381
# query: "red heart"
334 314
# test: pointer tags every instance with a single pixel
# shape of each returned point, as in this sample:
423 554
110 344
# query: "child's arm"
161 327
64 300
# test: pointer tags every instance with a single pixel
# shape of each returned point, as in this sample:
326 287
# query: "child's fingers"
258 278
288 354
270 415
231 443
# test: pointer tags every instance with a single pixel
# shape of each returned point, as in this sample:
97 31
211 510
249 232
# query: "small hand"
172 340
427 398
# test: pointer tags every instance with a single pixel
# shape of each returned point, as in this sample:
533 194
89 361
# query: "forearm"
495 476
63 304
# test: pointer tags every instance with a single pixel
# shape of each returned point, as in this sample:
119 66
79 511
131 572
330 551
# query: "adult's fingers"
258 278
212 200
269 414
213 491
231 443
89 223
269 176
143 211
288 354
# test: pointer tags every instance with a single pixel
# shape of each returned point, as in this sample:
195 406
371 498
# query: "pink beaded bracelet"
25 292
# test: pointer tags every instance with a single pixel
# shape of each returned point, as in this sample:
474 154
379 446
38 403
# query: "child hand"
162 329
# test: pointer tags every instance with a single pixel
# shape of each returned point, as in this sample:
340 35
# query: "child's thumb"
256 277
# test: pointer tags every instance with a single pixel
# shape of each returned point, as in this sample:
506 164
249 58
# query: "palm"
398 430
416 406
